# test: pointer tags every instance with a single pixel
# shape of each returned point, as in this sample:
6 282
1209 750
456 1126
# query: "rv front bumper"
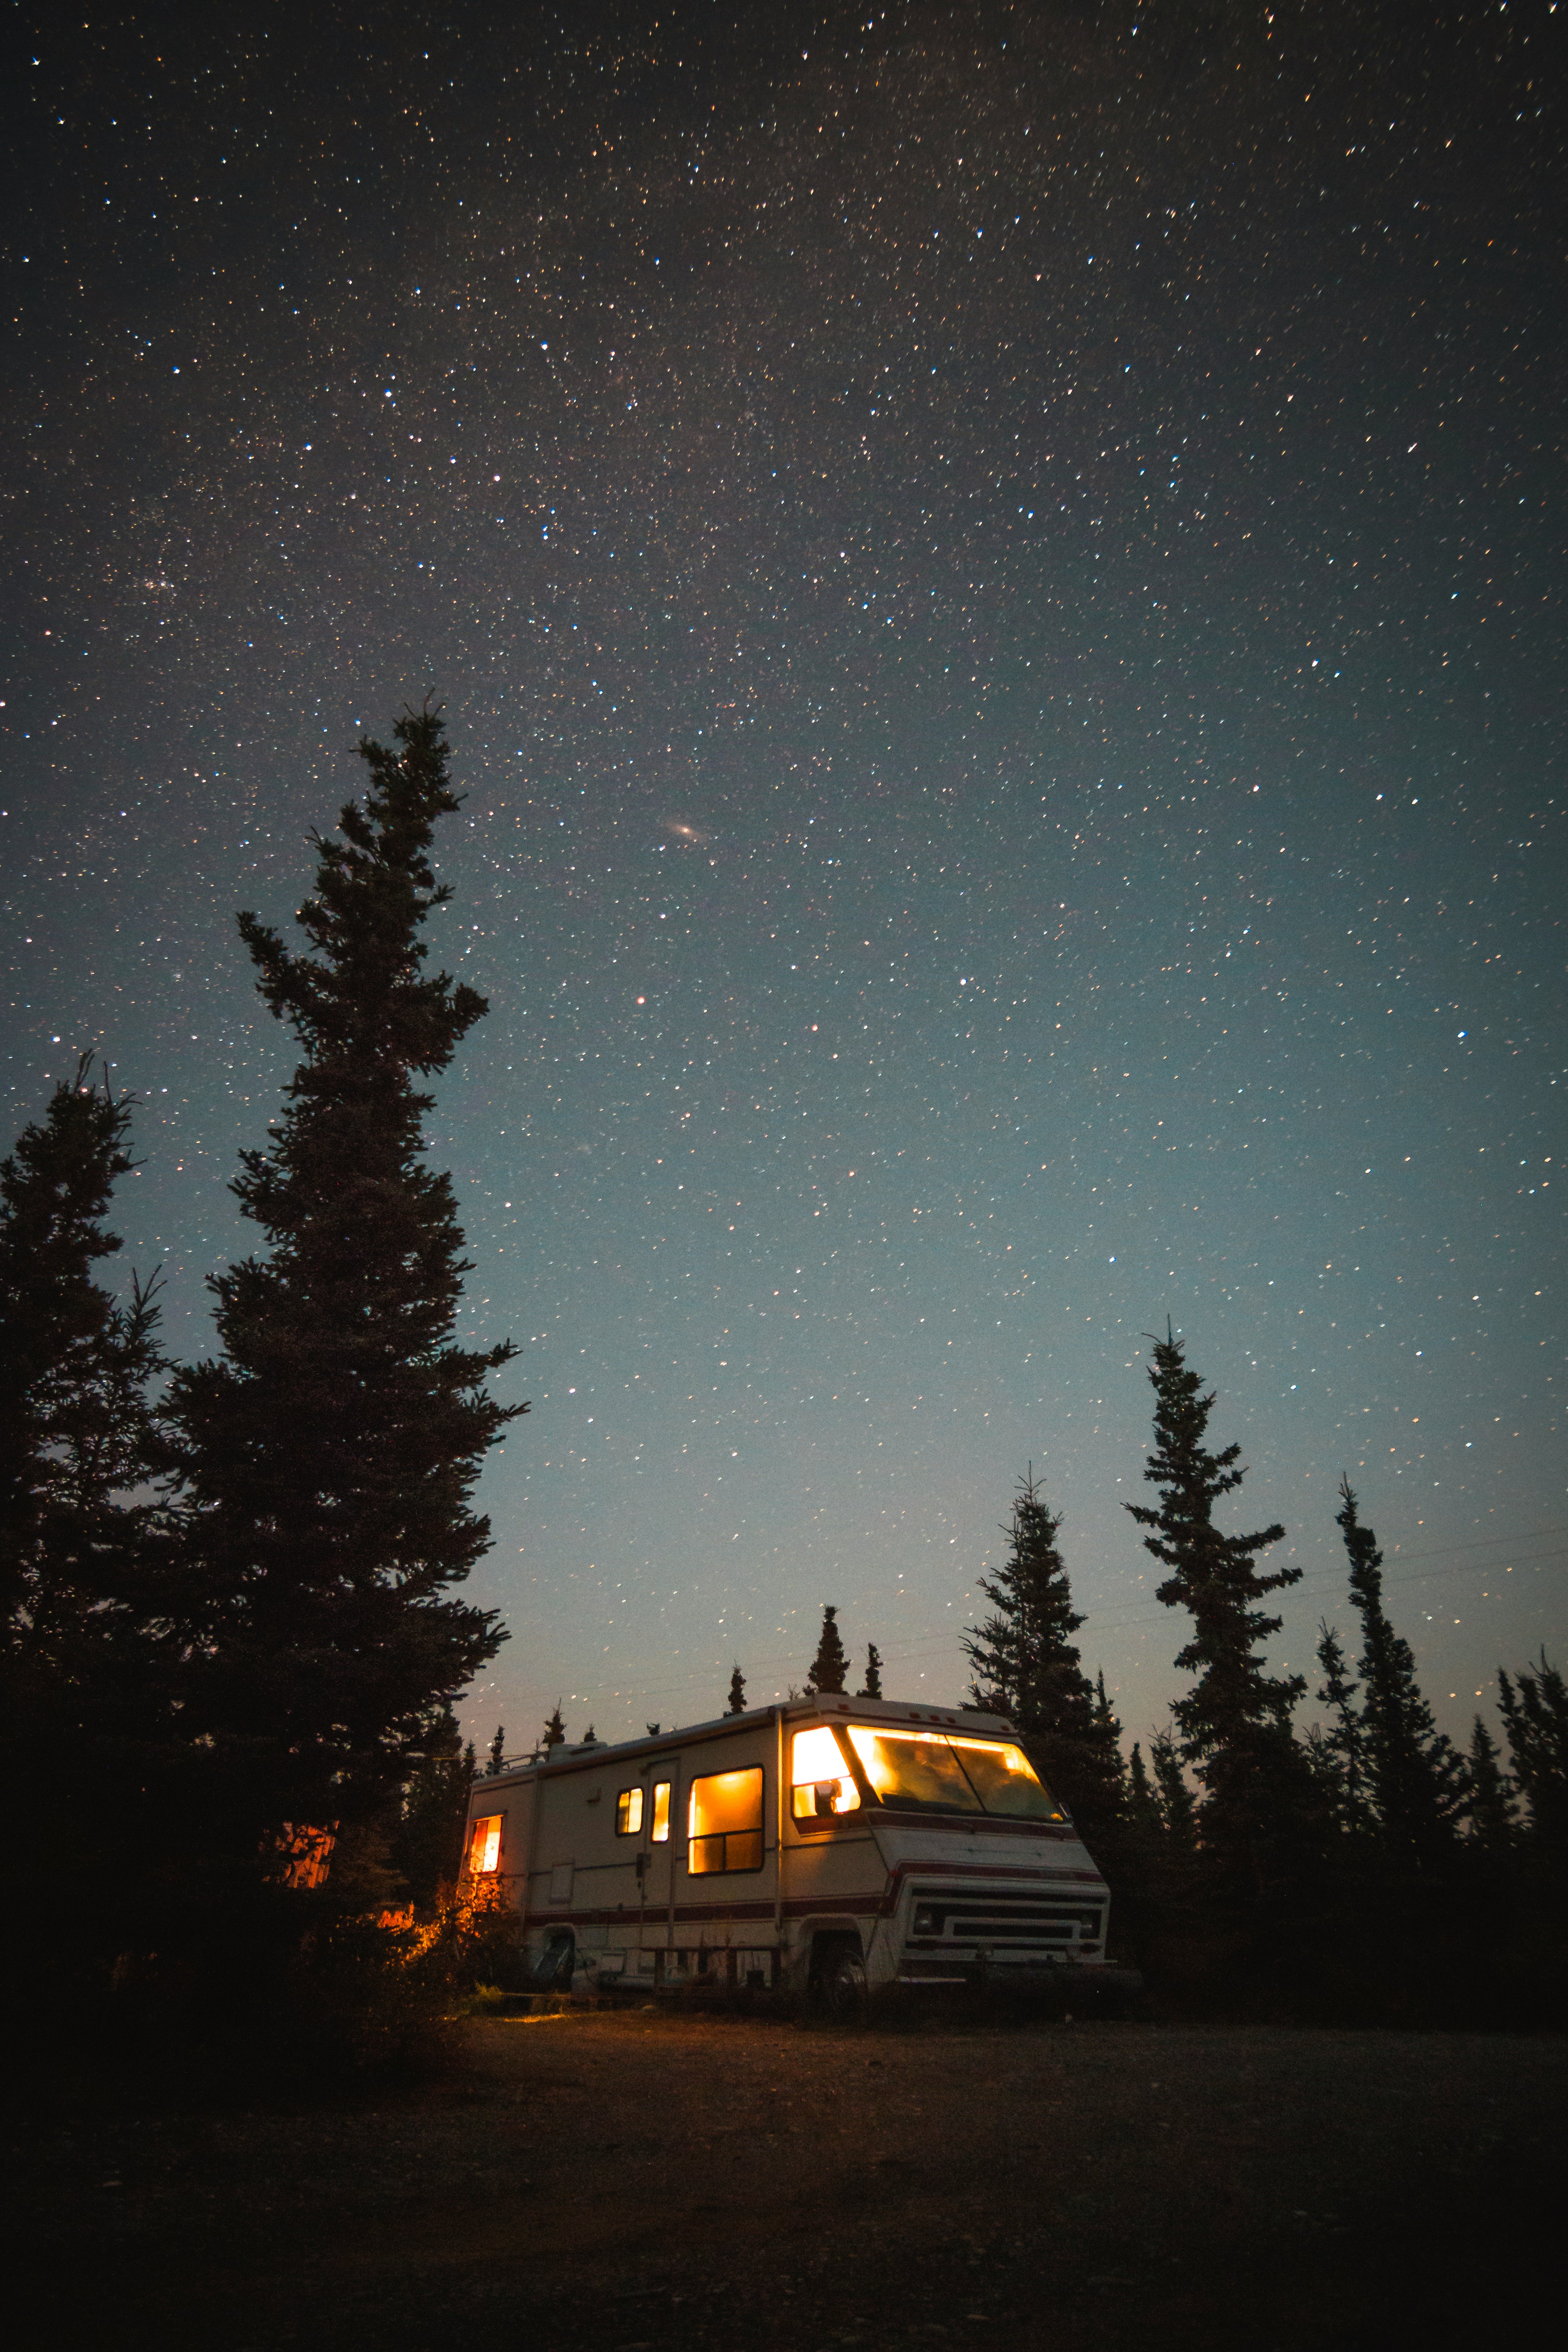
1030 1974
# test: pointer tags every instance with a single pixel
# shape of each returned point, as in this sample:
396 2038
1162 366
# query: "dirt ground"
612 2181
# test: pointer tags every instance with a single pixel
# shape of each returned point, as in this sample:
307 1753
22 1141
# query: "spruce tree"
830 1666
1535 1718
76 1425
1415 1782
1235 1721
872 1686
1107 1738
1343 1744
1490 1806
427 1845
737 1694
329 1454
494 1762
1026 1667
92 1744
554 1734
1178 1811
1144 1817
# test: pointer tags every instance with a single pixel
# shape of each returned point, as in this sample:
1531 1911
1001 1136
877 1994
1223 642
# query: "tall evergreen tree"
1493 1822
494 1762
1178 1810
830 1667
1144 1817
1415 1782
872 1686
90 1741
1343 1744
77 1428
1107 1738
329 1456
1235 1721
737 1694
554 1734
1535 1718
427 1845
1026 1667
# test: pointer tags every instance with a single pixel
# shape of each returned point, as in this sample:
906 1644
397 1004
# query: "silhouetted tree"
872 1686
830 1665
77 1430
1415 1782
1492 1821
427 1846
1108 1739
737 1694
1144 1817
1178 1810
1026 1667
1535 1718
329 1453
1234 1722
494 1762
90 1743
554 1733
1342 1751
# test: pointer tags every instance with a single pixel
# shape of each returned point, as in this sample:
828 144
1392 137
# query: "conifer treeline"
1231 1805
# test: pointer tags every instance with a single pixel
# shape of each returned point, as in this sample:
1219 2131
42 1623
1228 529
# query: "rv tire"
841 1985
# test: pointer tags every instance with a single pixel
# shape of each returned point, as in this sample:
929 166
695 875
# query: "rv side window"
820 1778
484 1846
660 1830
629 1812
724 1821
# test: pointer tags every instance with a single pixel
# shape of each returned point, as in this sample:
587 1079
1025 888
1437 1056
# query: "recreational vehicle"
829 1846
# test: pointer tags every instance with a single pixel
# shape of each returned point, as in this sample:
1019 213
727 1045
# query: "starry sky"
996 575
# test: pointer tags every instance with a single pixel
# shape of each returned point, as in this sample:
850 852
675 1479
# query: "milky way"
995 576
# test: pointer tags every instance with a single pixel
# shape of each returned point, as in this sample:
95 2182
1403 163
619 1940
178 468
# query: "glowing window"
724 1821
629 1812
484 1844
913 1771
661 1831
1005 1779
931 1772
821 1781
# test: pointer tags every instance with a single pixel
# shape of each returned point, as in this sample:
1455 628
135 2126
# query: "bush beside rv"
829 1846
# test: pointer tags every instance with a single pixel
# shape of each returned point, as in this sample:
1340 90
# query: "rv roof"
912 1712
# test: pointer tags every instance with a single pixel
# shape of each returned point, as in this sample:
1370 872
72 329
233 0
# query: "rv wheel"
843 1986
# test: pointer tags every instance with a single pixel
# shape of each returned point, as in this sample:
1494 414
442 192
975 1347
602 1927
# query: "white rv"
830 1845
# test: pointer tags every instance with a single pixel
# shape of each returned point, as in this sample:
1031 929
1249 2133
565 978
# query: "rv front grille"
1002 1925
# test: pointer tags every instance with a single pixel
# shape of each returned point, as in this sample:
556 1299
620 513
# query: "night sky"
996 575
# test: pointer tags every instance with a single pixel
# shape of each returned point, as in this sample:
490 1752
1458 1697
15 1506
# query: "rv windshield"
926 1772
1005 1780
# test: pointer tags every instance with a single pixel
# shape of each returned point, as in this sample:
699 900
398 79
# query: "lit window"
821 1781
724 1821
629 1812
661 1831
935 1772
484 1844
1005 1779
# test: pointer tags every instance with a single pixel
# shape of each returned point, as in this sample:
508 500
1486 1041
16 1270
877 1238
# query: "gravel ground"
609 2181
